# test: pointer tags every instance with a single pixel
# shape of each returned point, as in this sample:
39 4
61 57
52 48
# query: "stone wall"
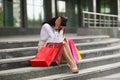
112 32
27 31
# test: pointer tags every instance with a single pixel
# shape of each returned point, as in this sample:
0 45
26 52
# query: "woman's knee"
65 42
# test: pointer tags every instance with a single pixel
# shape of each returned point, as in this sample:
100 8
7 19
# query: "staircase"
100 58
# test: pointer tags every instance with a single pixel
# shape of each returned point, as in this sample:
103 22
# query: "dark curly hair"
52 21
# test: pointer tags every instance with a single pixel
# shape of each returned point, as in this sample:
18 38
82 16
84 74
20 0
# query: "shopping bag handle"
50 45
54 45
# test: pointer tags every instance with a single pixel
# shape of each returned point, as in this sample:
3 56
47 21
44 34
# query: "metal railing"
91 19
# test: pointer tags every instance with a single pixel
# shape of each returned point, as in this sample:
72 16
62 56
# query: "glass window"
53 8
1 14
105 6
35 13
16 13
61 8
12 13
85 5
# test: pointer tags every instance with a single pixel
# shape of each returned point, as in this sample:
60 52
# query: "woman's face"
58 22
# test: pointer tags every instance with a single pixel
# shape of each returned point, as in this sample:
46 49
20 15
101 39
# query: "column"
23 5
94 6
8 13
47 9
94 11
118 8
80 13
70 12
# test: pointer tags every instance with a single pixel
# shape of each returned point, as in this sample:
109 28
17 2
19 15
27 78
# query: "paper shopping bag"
78 53
44 57
73 50
58 56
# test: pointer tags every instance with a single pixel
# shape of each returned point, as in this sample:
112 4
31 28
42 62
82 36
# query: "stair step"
97 61
23 42
6 45
17 52
100 58
26 72
24 61
15 62
84 39
36 38
105 79
85 73
115 76
100 52
98 44
85 63
29 51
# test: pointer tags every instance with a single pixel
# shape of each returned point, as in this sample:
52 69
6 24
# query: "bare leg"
69 51
68 55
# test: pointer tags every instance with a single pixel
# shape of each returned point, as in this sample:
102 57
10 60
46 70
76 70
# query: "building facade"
22 16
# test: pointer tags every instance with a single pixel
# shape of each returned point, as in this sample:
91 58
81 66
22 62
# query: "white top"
50 35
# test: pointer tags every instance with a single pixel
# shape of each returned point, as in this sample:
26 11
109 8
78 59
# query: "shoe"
73 69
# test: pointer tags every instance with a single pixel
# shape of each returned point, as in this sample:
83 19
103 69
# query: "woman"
55 28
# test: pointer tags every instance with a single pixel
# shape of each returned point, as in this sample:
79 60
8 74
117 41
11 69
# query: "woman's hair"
63 21
51 22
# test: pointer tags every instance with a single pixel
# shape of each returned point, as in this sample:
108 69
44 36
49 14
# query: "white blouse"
50 35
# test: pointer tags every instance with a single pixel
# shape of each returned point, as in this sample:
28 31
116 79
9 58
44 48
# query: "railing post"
83 19
94 10
88 20
95 20
105 20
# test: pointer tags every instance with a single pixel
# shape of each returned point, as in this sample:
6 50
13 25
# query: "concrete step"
97 61
84 39
85 73
105 79
17 52
17 44
29 51
85 63
100 52
14 62
20 42
98 44
115 76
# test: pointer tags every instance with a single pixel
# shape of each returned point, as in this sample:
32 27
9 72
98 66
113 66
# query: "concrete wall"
112 32
27 31
18 31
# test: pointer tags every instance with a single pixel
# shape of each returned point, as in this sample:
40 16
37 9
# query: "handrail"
91 19
100 14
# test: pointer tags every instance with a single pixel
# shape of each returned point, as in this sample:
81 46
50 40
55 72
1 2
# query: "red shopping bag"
57 58
44 57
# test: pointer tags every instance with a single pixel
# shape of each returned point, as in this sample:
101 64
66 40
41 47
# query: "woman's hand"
63 28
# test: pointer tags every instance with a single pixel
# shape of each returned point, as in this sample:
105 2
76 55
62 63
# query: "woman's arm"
49 30
61 34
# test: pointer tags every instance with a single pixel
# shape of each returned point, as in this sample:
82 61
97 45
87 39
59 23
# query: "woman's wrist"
56 28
